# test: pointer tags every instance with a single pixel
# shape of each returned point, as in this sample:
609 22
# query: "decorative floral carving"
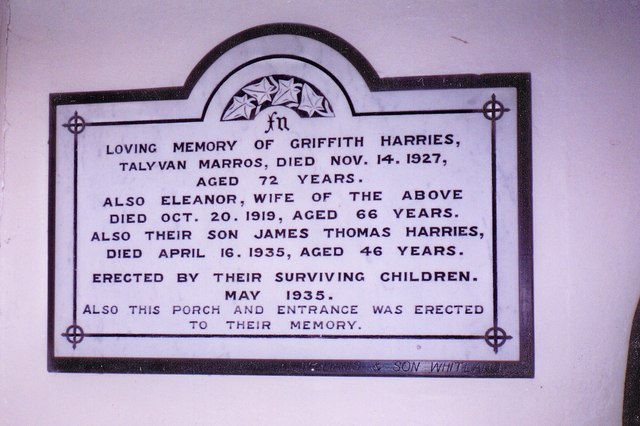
277 90
241 107
312 103
262 90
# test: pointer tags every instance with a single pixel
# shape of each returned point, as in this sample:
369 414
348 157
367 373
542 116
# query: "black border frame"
520 81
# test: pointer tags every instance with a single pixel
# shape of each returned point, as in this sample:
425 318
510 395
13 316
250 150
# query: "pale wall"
585 63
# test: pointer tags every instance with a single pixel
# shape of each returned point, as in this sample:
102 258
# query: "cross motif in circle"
76 124
493 110
496 337
74 334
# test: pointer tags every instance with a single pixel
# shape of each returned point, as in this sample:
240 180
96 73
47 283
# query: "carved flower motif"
312 103
287 93
277 90
261 91
241 108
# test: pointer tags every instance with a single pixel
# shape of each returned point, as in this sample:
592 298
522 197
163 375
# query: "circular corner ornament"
76 124
493 109
496 337
74 334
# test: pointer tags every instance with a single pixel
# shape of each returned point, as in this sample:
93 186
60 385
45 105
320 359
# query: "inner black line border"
508 369
76 332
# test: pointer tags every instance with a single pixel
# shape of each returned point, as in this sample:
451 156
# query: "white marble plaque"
287 211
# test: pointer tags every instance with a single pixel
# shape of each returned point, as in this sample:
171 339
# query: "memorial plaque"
287 211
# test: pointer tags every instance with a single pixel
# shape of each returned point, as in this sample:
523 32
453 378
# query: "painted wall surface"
585 61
